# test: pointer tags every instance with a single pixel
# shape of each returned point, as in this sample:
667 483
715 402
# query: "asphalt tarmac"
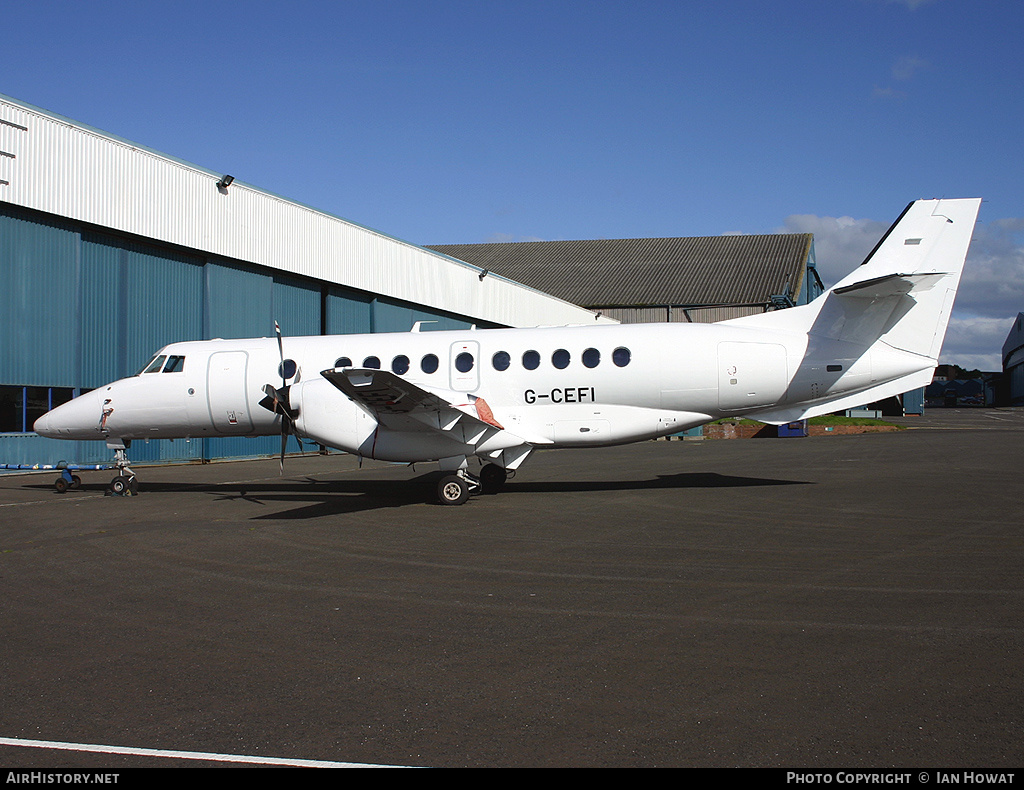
842 601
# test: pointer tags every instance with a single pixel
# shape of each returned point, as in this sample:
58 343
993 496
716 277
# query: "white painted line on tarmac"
180 755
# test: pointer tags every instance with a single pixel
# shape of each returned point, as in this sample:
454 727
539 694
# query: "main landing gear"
455 489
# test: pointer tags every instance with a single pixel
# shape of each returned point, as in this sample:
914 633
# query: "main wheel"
452 490
492 478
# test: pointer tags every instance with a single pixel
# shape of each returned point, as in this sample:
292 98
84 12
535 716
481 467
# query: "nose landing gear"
125 484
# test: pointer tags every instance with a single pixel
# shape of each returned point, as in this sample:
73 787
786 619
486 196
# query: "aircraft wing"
402 405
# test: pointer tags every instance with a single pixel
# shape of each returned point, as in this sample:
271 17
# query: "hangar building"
1013 362
110 250
700 280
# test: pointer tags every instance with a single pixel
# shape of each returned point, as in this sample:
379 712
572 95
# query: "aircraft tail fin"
902 294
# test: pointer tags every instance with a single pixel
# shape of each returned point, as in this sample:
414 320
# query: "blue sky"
445 122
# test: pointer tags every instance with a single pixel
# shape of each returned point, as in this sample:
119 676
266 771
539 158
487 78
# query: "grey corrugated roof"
701 270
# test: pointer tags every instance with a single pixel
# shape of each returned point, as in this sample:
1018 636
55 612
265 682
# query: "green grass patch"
832 419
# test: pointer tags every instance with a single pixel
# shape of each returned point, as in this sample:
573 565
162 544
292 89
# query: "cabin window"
174 365
531 360
343 362
145 367
621 356
372 362
156 364
591 358
400 364
501 360
560 359
429 363
287 368
464 362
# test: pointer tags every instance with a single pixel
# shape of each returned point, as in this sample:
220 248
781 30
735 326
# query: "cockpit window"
174 365
156 364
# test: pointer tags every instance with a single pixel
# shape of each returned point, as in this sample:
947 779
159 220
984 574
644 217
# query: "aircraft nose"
78 418
42 425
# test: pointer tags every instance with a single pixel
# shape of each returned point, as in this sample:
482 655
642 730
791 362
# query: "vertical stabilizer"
902 294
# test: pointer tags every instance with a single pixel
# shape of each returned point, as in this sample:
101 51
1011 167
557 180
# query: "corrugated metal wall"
38 292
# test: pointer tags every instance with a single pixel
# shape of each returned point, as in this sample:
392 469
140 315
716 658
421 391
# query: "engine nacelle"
330 418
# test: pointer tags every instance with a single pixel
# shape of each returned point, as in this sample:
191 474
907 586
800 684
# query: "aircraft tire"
452 490
492 478
119 485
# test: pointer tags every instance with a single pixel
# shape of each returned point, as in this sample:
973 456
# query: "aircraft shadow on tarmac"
314 498
319 498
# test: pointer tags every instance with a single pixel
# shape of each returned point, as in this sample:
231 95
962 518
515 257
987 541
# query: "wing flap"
404 406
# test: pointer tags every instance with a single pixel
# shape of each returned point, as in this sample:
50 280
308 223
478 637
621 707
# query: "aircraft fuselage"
563 386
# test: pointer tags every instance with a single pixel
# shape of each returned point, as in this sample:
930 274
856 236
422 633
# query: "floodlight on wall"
225 182
483 273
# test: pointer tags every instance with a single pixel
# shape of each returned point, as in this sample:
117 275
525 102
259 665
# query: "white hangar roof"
65 168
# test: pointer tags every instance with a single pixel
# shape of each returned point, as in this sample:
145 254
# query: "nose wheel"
125 484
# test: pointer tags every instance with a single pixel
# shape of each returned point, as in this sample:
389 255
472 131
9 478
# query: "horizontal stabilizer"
890 285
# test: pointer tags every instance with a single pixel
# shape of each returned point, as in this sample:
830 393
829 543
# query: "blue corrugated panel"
392 317
348 313
135 300
101 317
164 301
245 447
38 296
29 448
239 303
913 401
296 307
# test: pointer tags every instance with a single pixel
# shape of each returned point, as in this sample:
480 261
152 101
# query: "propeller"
278 401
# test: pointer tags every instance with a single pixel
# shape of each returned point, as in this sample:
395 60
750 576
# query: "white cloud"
840 243
975 342
906 67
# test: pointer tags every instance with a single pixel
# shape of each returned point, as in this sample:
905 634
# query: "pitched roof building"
700 279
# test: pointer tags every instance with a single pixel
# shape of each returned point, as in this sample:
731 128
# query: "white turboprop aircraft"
499 394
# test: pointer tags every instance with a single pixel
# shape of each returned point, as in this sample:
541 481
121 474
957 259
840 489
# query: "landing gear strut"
125 484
